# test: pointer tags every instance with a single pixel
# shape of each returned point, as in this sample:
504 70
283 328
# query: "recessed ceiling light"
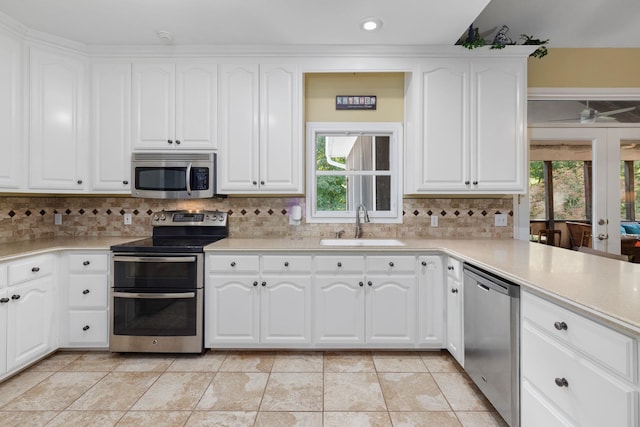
371 24
165 36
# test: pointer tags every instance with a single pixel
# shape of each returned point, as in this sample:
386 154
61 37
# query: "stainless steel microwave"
173 175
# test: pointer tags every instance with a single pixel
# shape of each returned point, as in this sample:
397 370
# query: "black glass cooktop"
164 245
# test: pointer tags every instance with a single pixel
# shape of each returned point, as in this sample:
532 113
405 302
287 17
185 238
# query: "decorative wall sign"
356 102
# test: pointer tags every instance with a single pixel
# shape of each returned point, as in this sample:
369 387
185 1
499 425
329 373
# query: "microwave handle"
188 178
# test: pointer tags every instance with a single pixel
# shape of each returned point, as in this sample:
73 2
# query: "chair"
603 254
550 237
579 234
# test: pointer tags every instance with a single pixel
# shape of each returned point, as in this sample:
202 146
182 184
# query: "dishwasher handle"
488 281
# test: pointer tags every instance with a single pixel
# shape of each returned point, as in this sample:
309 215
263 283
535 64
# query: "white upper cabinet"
260 130
174 106
11 102
470 127
111 127
57 140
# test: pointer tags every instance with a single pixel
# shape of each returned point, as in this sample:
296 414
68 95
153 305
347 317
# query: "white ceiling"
247 22
567 23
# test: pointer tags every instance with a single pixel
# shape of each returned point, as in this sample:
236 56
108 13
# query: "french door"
605 148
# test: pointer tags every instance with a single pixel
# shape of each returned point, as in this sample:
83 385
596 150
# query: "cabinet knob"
450 267
561 326
475 182
391 264
264 283
339 264
125 182
261 182
255 182
562 382
177 141
85 263
424 263
369 283
15 297
467 183
255 283
4 300
79 181
86 291
454 290
233 263
35 269
85 328
286 263
169 141
361 284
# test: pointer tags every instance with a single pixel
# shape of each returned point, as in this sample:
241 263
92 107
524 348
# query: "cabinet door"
498 125
455 337
391 309
31 322
4 312
431 301
339 310
281 154
111 127
238 129
11 102
232 312
285 310
57 143
444 146
196 106
153 106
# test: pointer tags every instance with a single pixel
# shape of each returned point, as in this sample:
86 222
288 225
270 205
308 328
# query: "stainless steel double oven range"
157 284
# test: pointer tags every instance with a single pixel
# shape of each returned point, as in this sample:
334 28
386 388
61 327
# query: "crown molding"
583 93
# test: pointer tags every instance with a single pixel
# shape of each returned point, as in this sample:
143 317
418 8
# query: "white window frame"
391 129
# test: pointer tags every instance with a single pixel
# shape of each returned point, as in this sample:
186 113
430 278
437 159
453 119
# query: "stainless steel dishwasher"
492 339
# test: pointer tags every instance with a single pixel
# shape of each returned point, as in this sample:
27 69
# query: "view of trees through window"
332 190
569 200
630 200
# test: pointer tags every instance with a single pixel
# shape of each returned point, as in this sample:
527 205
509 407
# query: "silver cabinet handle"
132 295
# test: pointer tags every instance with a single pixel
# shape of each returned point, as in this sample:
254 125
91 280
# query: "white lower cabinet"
567 381
431 302
365 301
252 300
84 318
28 312
455 310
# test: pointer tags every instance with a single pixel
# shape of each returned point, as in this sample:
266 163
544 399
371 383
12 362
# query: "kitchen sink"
361 242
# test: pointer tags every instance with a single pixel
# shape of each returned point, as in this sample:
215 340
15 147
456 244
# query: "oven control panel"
186 218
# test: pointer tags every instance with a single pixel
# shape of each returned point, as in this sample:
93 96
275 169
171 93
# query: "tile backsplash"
25 218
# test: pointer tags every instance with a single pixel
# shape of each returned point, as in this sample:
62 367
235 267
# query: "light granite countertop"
599 287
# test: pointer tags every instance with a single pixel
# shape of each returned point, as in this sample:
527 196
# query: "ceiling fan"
591 115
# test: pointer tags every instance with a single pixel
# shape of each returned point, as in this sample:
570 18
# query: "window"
351 164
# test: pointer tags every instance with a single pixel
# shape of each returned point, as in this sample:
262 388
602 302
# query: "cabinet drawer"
589 396
88 328
286 264
234 263
613 349
390 264
88 262
454 268
88 291
340 265
30 268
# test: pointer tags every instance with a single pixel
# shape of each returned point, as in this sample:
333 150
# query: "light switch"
127 219
434 220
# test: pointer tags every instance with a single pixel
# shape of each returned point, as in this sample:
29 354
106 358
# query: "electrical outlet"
127 219
501 220
57 219
434 220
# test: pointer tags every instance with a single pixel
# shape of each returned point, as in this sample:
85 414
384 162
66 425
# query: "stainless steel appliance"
492 339
173 175
156 288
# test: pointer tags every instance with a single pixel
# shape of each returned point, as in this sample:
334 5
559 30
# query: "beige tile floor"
228 388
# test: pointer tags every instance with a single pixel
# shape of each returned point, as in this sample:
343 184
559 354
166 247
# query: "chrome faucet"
366 219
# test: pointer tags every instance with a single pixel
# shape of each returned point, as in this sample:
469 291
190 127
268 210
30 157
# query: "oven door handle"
180 295
154 259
